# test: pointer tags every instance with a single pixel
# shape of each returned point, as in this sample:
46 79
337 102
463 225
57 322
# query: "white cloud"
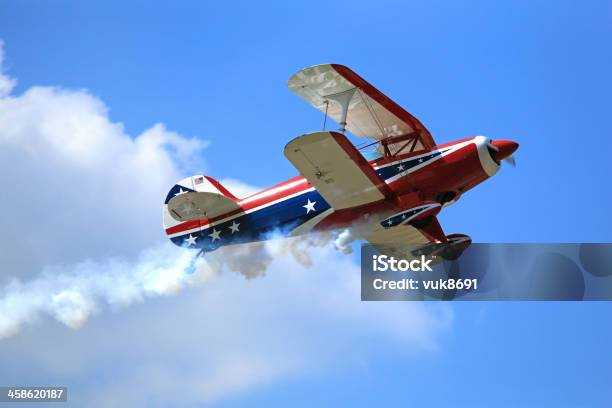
76 184
82 237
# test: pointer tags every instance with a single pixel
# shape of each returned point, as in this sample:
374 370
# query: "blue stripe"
281 217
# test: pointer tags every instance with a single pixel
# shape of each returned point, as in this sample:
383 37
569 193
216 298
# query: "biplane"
391 198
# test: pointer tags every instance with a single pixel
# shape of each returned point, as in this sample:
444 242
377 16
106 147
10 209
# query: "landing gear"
457 243
449 251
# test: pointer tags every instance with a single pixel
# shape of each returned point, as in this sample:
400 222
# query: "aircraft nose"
505 148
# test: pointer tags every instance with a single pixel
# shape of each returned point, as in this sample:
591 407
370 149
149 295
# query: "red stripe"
265 197
187 225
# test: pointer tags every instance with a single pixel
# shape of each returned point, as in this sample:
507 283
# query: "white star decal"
191 240
309 206
401 167
215 235
389 222
180 192
421 160
234 227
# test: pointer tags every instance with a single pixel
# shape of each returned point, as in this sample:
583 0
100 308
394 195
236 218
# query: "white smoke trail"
252 260
71 294
344 239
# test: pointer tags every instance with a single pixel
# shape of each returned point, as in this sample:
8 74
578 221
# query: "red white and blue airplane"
393 199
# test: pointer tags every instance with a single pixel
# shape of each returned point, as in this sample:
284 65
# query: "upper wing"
337 170
370 112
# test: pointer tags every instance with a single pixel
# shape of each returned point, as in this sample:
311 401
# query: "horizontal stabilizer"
198 205
192 201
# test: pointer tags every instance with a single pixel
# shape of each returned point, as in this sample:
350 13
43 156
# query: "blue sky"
534 72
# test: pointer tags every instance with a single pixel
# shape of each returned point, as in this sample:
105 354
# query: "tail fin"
192 202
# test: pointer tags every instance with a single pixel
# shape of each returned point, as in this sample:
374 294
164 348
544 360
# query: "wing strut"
344 100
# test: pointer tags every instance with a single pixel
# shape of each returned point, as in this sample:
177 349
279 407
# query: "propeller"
503 150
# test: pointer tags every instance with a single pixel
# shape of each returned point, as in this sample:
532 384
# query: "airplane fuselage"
295 207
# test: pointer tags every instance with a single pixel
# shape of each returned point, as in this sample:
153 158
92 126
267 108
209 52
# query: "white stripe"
272 191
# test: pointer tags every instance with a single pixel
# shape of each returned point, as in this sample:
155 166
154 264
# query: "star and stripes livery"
392 199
